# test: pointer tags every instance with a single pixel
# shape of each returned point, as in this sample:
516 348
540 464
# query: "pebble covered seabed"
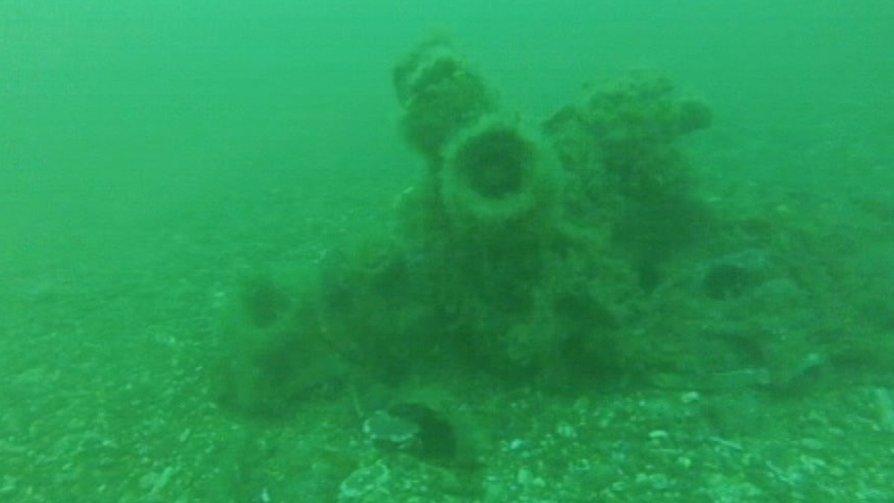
106 397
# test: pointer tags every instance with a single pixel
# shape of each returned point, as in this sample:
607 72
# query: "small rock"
9 484
566 430
885 404
690 397
363 481
524 476
657 481
161 481
384 427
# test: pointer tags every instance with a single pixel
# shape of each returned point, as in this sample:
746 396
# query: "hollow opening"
494 163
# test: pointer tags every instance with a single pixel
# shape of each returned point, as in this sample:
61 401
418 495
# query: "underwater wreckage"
566 252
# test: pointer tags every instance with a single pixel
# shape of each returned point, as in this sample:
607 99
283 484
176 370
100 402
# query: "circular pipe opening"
495 163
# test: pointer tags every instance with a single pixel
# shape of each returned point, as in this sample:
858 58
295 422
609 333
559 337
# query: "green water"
237 264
